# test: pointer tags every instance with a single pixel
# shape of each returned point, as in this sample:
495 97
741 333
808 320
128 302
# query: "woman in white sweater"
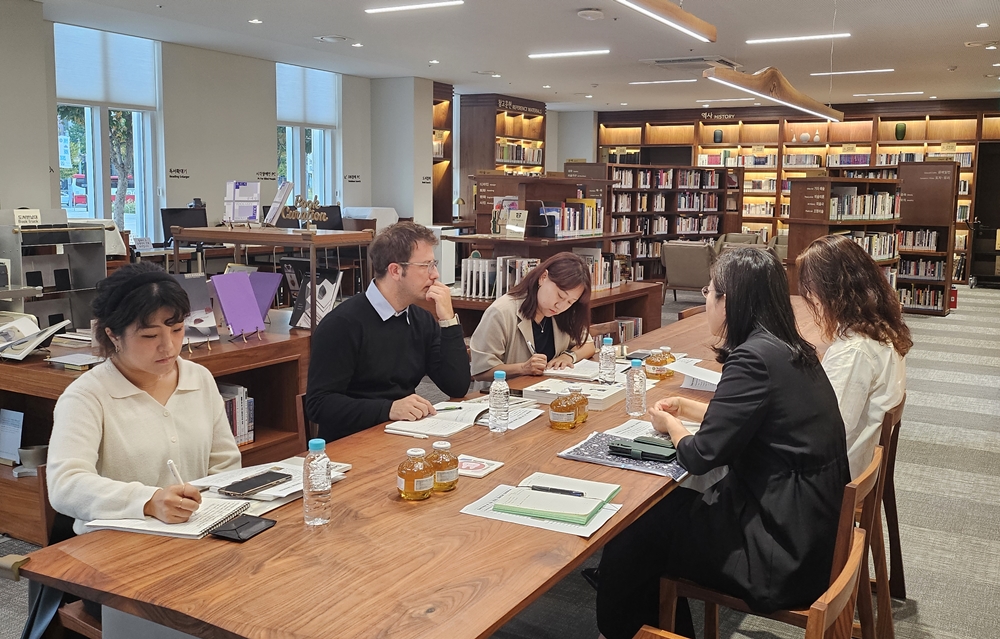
117 425
856 307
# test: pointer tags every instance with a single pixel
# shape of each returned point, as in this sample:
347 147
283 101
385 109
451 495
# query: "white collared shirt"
111 441
382 305
869 379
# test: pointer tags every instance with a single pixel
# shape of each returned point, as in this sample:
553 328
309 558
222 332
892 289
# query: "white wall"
29 156
219 123
355 152
401 146
577 136
552 162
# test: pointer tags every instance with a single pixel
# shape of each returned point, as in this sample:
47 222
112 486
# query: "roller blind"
97 67
306 96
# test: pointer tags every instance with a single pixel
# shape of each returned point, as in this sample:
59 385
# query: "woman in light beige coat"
541 323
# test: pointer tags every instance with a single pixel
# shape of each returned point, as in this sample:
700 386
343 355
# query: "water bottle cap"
317 444
636 363
442 446
575 389
416 452
607 341
665 349
499 375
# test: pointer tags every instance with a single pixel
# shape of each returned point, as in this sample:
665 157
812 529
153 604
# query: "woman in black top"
766 531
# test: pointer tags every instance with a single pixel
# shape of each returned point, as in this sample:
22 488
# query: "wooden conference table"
383 567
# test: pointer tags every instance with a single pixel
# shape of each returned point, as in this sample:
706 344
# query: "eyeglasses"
433 264
705 291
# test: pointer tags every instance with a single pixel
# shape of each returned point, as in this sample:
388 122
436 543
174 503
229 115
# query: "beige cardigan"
502 336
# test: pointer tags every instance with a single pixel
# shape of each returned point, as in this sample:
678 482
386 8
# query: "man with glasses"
369 353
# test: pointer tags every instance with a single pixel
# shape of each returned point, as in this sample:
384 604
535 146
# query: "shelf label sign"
757 148
143 244
510 105
24 217
353 178
425 179
850 148
949 147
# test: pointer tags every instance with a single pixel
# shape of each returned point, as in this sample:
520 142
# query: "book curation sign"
510 105
709 115
815 202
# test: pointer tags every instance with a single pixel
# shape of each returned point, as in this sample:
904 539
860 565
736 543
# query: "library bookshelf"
665 202
443 123
865 145
274 370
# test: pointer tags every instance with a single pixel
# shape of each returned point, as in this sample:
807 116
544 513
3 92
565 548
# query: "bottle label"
445 476
564 418
400 483
424 483
656 370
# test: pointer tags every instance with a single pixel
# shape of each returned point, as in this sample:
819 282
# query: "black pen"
558 491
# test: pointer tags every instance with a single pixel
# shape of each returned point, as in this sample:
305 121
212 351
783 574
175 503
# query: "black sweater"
359 365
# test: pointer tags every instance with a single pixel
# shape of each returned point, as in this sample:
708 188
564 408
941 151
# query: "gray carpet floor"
948 490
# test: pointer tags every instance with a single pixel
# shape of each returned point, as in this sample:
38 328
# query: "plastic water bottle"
635 390
607 374
499 403
316 484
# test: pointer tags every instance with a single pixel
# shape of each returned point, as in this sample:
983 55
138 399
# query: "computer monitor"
187 218
334 221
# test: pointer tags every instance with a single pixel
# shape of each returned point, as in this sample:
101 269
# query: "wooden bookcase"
443 123
658 203
928 193
810 219
495 129
274 369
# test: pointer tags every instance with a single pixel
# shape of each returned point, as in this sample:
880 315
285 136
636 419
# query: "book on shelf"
802 161
628 328
75 361
605 268
239 411
959 268
919 240
199 324
211 514
847 205
479 276
923 269
923 297
848 159
21 337
510 270
327 289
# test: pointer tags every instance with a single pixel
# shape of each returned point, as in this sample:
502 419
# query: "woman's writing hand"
173 504
535 365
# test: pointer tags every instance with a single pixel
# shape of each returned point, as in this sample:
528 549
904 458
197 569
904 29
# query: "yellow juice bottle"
445 467
415 477
655 365
668 358
582 404
562 411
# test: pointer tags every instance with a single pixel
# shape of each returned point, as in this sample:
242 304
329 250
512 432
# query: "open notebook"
212 513
576 502
451 418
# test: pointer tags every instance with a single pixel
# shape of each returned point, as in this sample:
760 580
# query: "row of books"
517 153
961 241
804 160
706 225
758 209
730 159
920 240
647 248
766 186
848 159
874 174
576 217
764 232
881 245
695 179
641 202
606 269
922 269
625 157
963 187
964 159
697 202
628 328
239 411
924 298
890 274
959 268
962 215
847 205
888 159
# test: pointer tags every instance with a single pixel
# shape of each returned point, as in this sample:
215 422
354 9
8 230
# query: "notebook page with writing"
210 514
451 418
592 489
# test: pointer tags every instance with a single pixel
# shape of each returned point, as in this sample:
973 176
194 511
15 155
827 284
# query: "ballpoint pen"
403 432
558 491
174 472
441 410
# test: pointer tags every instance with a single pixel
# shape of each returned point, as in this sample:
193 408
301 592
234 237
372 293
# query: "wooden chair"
688 312
687 266
831 616
310 429
609 329
889 441
860 492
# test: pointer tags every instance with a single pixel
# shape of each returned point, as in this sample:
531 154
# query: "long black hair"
756 291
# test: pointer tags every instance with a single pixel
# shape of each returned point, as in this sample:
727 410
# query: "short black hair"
395 244
122 301
756 290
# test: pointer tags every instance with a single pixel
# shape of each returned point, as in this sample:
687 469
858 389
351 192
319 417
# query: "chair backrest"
736 238
609 329
648 632
687 264
836 606
779 244
888 440
688 312
863 493
308 427
185 218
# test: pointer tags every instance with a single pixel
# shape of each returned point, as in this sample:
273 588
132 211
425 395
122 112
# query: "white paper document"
516 417
586 369
291 466
641 428
10 434
484 508
688 368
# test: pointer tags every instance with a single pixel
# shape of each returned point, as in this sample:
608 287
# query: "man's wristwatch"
449 322
571 354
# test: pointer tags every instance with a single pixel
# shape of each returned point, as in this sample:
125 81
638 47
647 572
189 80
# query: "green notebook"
548 498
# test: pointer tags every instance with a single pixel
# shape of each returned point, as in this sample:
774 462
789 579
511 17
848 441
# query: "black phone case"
642 452
242 528
254 484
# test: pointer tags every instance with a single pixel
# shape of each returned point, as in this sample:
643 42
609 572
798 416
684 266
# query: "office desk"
382 567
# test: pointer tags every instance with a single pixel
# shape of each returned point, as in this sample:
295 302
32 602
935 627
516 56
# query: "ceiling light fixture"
664 81
725 100
983 25
864 95
673 16
331 39
933 97
991 47
255 21
588 96
357 45
568 54
494 75
855 72
433 62
623 104
546 86
411 7
769 84
996 64
822 36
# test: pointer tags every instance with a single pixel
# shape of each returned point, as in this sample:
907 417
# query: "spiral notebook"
212 513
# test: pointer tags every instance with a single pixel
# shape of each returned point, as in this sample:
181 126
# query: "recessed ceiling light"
588 96
725 100
855 72
331 39
991 47
705 106
933 97
433 62
822 36
871 99
568 54
358 45
983 25
623 103
862 95
664 81
546 86
756 103
411 7
255 21
494 75
996 64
